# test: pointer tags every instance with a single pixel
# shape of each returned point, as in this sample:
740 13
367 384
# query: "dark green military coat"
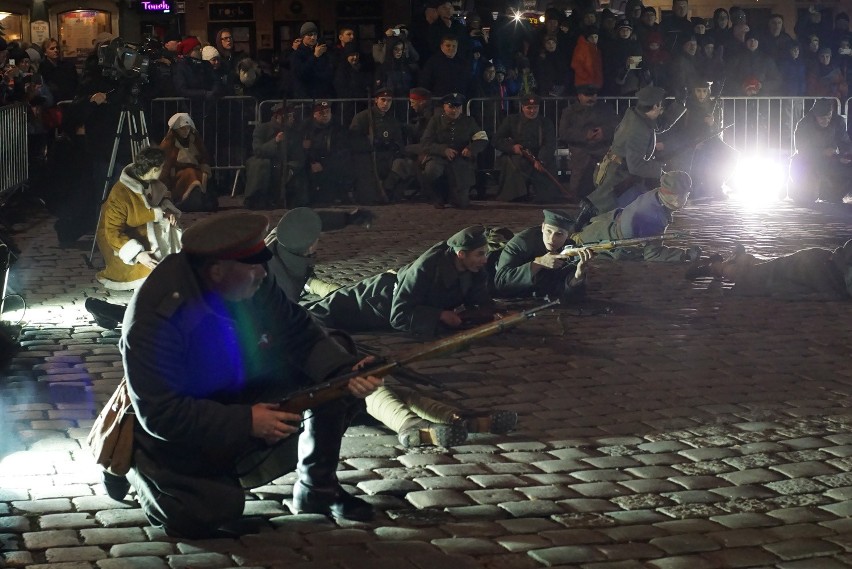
410 301
815 274
515 278
539 137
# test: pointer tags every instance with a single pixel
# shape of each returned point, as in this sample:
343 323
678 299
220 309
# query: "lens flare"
757 181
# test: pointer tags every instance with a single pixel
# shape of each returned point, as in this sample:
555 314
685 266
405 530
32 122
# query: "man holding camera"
311 66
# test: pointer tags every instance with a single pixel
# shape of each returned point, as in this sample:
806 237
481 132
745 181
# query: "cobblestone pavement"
685 429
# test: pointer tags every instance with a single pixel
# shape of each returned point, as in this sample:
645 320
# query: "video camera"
121 60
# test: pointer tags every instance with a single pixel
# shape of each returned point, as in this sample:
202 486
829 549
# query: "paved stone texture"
687 428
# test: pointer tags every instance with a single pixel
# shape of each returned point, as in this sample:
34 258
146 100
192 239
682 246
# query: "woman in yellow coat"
138 224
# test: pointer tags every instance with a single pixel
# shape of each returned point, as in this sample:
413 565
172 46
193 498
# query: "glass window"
78 29
13 26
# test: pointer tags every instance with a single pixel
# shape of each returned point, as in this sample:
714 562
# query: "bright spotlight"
757 180
517 16
541 19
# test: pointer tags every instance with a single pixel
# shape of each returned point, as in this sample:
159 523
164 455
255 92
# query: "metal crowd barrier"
14 163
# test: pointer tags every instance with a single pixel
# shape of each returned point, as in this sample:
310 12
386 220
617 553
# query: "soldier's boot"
106 314
116 486
426 433
587 212
498 422
318 491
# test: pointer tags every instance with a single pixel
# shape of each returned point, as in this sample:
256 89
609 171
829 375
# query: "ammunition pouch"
610 160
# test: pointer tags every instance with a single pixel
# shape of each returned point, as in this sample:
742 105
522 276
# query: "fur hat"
209 52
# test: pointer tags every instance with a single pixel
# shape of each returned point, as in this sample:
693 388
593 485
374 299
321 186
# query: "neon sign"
156 6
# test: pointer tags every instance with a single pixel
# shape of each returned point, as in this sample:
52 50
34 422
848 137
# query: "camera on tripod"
121 60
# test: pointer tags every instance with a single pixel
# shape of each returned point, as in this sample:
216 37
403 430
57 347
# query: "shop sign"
39 31
232 11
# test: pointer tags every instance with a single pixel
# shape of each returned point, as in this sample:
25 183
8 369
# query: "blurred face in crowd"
227 40
550 45
215 62
690 47
680 8
52 51
417 104
655 111
353 59
398 51
709 50
554 237
723 20
530 111
172 45
636 11
589 19
700 29
445 11
587 100
751 44
593 38
323 116
701 94
624 33
449 48
825 120
776 26
346 36
795 51
473 260
310 39
489 74
813 44
183 131
649 17
825 58
383 104
196 52
452 111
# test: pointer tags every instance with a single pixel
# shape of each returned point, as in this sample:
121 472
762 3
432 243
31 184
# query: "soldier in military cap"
646 216
405 166
450 145
209 345
377 140
529 264
632 159
328 157
275 174
586 128
420 298
530 131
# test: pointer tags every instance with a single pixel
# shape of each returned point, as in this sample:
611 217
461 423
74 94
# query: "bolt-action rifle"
569 252
536 162
338 387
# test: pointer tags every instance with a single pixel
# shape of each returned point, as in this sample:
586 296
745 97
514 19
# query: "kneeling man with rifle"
209 347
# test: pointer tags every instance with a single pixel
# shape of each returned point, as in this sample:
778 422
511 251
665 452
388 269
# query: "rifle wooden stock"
533 160
338 387
569 252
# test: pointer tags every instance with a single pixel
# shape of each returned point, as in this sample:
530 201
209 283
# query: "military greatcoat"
538 136
410 300
441 134
195 364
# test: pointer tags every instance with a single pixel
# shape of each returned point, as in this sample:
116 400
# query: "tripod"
134 117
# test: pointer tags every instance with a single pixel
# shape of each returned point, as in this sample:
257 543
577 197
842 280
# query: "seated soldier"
822 164
376 140
809 274
646 216
275 174
530 264
422 297
405 168
328 157
531 132
450 145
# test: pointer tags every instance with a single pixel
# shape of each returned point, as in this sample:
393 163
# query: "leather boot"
318 490
587 212
107 315
116 487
